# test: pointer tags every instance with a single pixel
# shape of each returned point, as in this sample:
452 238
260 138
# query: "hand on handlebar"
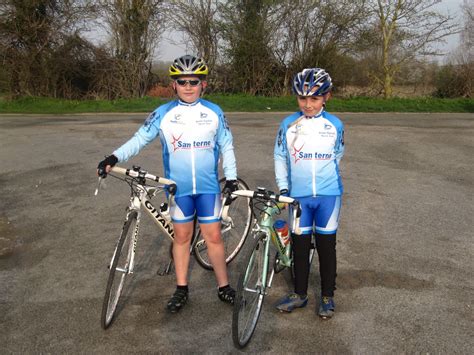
229 187
104 166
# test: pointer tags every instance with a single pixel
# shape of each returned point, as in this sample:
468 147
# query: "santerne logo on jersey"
301 155
180 144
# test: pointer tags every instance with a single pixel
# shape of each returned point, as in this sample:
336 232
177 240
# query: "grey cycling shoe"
290 302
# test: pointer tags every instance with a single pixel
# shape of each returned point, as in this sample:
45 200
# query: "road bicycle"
143 188
256 278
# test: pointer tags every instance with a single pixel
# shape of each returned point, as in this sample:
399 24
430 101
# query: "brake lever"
98 186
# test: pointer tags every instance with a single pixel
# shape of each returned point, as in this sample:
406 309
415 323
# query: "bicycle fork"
128 269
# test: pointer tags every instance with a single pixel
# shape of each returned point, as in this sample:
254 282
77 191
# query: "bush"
161 91
454 81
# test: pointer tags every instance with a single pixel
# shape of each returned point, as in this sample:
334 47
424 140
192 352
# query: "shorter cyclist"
308 149
193 133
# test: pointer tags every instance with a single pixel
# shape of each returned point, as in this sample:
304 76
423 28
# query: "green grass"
237 103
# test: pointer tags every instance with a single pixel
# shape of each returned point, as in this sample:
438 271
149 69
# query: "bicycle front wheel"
250 292
233 232
119 269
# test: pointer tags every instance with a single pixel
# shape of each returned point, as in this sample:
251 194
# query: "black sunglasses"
192 82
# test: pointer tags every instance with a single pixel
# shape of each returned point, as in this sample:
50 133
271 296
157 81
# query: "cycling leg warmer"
301 248
326 247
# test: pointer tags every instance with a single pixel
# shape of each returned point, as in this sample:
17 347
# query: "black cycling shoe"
226 294
177 301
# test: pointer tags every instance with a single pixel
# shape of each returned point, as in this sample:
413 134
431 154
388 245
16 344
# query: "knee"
182 238
213 238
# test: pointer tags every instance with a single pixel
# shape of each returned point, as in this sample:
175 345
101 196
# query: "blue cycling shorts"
319 214
206 206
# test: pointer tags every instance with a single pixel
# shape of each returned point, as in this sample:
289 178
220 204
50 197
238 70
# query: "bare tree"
248 27
134 28
198 20
318 33
467 31
31 33
456 78
405 30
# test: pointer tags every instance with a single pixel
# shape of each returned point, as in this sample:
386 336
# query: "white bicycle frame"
143 199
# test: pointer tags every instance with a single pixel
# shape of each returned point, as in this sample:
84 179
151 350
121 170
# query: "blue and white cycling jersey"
307 155
192 136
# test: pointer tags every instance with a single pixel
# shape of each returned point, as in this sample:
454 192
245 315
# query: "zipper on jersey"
313 173
313 161
193 168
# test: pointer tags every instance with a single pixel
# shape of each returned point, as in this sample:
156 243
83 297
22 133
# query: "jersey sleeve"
225 142
145 134
280 157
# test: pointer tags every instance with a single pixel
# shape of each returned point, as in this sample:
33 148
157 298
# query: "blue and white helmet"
305 82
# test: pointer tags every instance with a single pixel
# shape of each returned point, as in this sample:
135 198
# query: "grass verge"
236 103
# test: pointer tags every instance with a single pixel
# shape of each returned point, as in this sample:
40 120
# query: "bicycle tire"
118 270
250 292
233 237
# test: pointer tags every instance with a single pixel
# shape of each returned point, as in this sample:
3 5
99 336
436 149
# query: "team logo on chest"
203 119
299 154
296 153
181 144
177 119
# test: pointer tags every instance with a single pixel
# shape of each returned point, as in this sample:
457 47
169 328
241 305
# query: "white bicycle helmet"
305 82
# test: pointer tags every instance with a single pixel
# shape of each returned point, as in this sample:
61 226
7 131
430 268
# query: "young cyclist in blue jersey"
308 149
193 133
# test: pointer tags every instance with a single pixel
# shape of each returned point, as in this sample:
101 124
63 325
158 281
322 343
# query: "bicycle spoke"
250 293
119 269
233 231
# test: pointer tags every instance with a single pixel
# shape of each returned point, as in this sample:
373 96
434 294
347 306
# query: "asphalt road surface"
405 243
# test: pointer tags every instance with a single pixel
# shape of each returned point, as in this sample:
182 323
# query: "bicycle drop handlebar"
144 174
136 172
265 195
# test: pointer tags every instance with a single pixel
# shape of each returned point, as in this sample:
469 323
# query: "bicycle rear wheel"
118 270
250 292
233 233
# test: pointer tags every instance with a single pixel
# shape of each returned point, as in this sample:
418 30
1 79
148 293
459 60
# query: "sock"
179 287
224 287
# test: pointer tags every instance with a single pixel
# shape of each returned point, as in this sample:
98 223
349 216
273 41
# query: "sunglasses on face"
192 82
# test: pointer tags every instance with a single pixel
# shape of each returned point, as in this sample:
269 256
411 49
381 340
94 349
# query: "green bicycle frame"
266 225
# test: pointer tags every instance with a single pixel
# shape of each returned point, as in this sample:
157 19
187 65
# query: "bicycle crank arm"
166 270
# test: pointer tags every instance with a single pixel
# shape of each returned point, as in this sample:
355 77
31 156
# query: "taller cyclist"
308 150
193 133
